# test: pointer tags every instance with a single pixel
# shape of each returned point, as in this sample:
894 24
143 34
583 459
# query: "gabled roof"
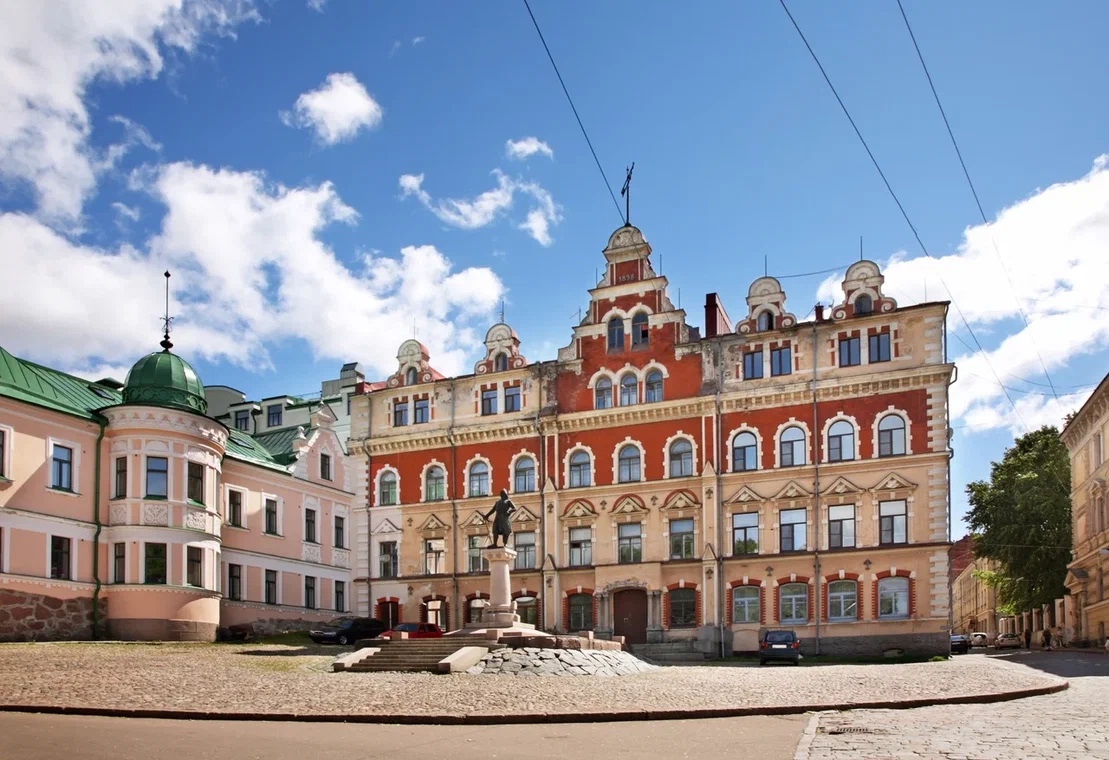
246 449
34 384
279 443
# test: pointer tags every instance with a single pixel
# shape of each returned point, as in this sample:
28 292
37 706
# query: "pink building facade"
126 512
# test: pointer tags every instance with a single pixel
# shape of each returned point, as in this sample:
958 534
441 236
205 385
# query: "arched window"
681 458
602 392
616 334
410 376
581 612
629 390
640 334
793 600
791 447
745 452
523 478
863 305
579 469
500 362
474 609
893 598
654 386
841 441
479 479
387 489
765 321
435 484
843 600
629 464
891 436
683 608
746 606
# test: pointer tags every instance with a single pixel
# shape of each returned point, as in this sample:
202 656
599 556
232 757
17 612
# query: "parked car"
979 639
960 643
416 630
1007 641
781 646
346 630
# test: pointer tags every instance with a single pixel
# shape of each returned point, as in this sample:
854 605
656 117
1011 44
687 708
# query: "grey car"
780 646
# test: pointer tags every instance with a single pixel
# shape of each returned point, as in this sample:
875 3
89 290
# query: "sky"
326 179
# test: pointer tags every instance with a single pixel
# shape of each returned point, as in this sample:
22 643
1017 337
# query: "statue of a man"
501 525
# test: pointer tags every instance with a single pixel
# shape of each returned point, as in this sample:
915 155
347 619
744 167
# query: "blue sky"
171 136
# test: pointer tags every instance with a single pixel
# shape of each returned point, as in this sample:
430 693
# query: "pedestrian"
1047 639
1027 638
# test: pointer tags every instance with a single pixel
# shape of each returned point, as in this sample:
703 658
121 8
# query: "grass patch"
824 659
291 639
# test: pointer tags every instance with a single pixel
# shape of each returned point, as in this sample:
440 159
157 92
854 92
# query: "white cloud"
317 5
1054 247
130 213
526 148
418 40
337 110
51 52
482 210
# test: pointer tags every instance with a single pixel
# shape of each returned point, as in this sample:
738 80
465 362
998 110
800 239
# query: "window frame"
310 601
884 594
271 581
64 470
746 598
411 376
400 414
388 556
311 526
325 466
887 438
754 451
737 527
629 389
434 558
682 600
121 476
879 348
793 597
629 465
615 334
513 399
837 452
421 411
488 402
525 467
849 351
863 305
148 492
194 482
790 528
242 420
119 562
580 471
681 461
339 531
525 552
61 556
602 393
752 365
500 362
438 474
478 479
580 612
275 513
846 610
641 330
629 543
339 595
793 443
234 582
6 441
475 556
890 528
652 387
580 555
274 412
194 566
388 493
764 321
837 536
687 548
146 563
781 361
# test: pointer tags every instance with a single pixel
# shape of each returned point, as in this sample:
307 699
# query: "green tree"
1022 519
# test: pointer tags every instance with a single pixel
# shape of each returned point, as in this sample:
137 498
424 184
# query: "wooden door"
629 615
390 613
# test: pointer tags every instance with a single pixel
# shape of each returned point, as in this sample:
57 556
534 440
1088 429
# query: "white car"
979 639
1008 641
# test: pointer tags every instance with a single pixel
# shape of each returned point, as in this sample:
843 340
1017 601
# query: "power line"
575 110
974 192
904 214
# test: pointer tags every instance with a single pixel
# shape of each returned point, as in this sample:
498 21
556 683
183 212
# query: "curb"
478 719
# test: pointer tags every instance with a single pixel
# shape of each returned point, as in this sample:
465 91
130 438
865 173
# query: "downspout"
454 509
720 601
96 536
816 490
370 492
950 456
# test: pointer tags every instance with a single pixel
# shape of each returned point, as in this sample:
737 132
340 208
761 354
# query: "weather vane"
166 344
626 193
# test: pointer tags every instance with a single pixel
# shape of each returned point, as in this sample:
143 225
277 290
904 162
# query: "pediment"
792 490
433 523
385 526
842 486
475 520
745 495
629 505
579 510
682 499
894 482
523 515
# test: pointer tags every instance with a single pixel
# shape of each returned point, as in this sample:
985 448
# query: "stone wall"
912 644
37 617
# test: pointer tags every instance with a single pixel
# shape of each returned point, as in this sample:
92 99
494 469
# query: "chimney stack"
819 312
716 319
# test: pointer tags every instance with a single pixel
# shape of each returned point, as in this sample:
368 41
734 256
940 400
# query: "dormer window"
616 334
500 363
410 376
863 305
640 333
764 322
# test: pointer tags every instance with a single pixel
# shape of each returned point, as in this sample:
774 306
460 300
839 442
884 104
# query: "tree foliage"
1022 519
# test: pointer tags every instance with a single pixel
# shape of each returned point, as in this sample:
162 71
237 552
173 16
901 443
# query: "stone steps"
412 655
670 653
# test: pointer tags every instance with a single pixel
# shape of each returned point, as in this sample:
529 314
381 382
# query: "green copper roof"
34 384
279 443
165 379
245 448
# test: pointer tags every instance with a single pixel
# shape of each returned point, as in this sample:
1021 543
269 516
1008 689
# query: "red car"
416 630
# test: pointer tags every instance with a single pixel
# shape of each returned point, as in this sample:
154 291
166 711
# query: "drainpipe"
720 601
454 508
96 536
816 491
950 456
369 512
541 549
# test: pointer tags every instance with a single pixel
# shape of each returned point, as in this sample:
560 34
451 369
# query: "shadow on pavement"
1064 663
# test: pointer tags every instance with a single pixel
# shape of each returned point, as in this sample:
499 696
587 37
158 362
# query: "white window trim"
244 496
335 595
837 417
377 486
908 430
204 565
666 454
653 365
280 583
74 470
579 446
5 547
466 477
280 515
745 428
170 458
375 555
592 543
74 544
126 560
423 481
6 458
601 373
142 561
629 371
311 506
792 422
315 591
628 440
338 511
778 529
512 470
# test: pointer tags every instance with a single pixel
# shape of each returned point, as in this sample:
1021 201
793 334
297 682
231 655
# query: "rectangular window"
387 559
154 564
235 508
119 562
273 415
843 600
310 592
1098 455
512 399
683 607
681 539
581 612
746 607
271 517
752 365
781 361
271 587
196 483
348 404
242 419
310 525
194 566
524 544
325 467
489 401
878 348
157 477
792 525
235 582
475 557
794 603
434 549
893 522
340 596
422 411
849 352
388 488
62 468
121 476
581 547
340 532
400 414
60 566
630 542
841 526
745 533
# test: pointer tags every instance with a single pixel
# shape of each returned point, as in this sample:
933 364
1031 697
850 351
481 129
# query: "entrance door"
629 615
390 613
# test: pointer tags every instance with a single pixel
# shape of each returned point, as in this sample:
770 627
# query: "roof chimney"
819 312
716 319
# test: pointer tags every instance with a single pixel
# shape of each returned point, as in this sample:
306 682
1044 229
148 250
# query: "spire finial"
502 311
166 344
626 191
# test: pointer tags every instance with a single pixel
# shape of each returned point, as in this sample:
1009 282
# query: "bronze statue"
501 525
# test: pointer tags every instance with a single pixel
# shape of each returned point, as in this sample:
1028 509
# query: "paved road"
1064 726
48 737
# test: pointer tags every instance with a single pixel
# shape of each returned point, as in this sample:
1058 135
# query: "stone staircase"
413 655
669 653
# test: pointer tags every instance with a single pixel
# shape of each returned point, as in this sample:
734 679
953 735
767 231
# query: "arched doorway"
388 612
528 609
629 615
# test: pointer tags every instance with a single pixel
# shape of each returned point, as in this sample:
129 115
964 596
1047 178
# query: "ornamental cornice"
1092 412
159 588
828 389
621 416
8 578
132 417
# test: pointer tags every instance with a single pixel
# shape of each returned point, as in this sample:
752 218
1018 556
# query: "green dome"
165 379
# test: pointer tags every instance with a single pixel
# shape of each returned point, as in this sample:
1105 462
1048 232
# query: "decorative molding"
155 514
340 558
119 514
310 552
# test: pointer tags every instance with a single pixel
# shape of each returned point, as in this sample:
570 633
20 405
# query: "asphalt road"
1065 663
48 737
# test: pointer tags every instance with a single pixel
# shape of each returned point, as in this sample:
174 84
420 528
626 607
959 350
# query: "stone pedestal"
501 610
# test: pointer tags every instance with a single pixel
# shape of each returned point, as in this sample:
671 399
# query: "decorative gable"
863 280
412 359
629 509
385 526
841 486
476 522
433 525
895 485
792 490
745 495
502 351
580 510
679 500
523 515
766 302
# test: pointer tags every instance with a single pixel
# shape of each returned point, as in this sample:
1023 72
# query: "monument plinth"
501 610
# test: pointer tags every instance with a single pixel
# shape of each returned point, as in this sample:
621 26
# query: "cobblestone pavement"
530 661
283 679
1063 726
